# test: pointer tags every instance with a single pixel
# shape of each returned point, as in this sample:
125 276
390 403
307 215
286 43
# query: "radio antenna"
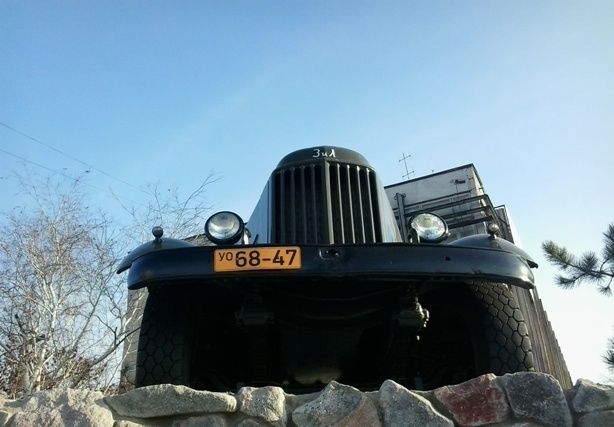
404 160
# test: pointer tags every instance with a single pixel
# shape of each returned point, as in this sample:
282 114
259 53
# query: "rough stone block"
476 402
401 407
202 421
293 401
63 408
165 400
126 423
248 422
590 396
597 419
538 397
4 418
518 424
337 405
268 403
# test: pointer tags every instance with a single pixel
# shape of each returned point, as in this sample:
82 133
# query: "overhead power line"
17 156
67 155
65 175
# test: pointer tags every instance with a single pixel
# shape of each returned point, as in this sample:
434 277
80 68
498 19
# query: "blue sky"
161 92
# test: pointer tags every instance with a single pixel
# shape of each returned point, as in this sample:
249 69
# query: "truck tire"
473 329
501 336
164 342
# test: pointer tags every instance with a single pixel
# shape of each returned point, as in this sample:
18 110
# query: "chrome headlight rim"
434 235
232 236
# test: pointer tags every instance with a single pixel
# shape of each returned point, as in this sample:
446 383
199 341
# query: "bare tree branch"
63 311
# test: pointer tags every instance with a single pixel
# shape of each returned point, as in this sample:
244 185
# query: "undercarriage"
303 336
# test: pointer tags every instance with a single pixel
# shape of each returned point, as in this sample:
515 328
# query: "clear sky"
167 92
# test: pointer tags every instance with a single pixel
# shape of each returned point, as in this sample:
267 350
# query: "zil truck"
322 283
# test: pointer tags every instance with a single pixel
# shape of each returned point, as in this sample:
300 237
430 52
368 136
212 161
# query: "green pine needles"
588 267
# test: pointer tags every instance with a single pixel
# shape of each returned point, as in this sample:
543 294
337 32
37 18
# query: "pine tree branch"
608 357
584 268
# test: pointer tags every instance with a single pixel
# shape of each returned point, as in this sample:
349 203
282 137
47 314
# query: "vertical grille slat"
336 205
287 193
377 231
333 208
369 225
314 206
304 203
293 205
346 197
328 208
352 199
276 219
361 219
325 203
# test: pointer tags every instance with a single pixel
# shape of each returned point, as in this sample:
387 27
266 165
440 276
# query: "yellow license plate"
246 259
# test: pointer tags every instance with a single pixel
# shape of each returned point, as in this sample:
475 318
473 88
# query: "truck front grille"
325 203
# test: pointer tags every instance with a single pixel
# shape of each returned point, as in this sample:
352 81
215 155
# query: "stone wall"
521 400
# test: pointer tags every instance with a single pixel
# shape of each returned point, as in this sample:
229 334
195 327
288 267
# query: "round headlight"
429 227
224 227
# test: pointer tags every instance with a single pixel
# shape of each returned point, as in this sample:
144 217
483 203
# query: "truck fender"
493 242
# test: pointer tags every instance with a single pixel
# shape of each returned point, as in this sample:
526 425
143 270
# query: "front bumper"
386 262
